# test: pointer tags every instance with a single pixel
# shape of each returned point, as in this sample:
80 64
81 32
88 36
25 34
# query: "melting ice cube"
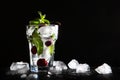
104 69
73 64
60 64
58 67
82 68
19 67
56 70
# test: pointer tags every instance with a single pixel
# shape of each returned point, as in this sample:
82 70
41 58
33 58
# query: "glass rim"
44 25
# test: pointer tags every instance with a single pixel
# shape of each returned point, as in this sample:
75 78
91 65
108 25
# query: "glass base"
34 69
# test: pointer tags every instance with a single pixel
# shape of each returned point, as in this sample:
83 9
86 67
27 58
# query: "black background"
90 30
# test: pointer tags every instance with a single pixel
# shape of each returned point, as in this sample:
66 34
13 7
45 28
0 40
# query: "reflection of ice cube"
19 67
30 30
23 76
73 64
58 67
32 76
82 68
104 69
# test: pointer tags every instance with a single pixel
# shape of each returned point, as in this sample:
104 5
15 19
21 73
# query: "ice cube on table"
82 68
103 69
58 67
73 64
19 67
60 64
55 70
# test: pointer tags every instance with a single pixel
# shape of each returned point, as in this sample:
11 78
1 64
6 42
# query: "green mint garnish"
40 20
52 47
36 40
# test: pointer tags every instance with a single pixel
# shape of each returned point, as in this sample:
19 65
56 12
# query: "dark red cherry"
48 43
42 62
34 50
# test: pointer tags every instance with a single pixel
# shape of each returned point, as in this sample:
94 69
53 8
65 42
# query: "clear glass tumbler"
41 40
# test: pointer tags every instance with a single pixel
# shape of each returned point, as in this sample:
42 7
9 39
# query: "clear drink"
41 38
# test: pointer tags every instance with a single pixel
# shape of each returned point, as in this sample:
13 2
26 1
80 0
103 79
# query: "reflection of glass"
41 41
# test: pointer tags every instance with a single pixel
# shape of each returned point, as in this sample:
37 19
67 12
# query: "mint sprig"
41 20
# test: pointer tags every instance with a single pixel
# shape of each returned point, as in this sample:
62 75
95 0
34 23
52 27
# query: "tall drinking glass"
41 40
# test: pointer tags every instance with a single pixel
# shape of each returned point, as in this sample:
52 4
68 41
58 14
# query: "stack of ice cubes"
78 67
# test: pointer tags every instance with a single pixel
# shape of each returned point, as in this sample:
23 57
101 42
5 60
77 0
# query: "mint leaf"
52 47
34 22
42 18
36 40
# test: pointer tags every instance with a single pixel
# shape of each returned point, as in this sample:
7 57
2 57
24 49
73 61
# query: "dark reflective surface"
67 75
